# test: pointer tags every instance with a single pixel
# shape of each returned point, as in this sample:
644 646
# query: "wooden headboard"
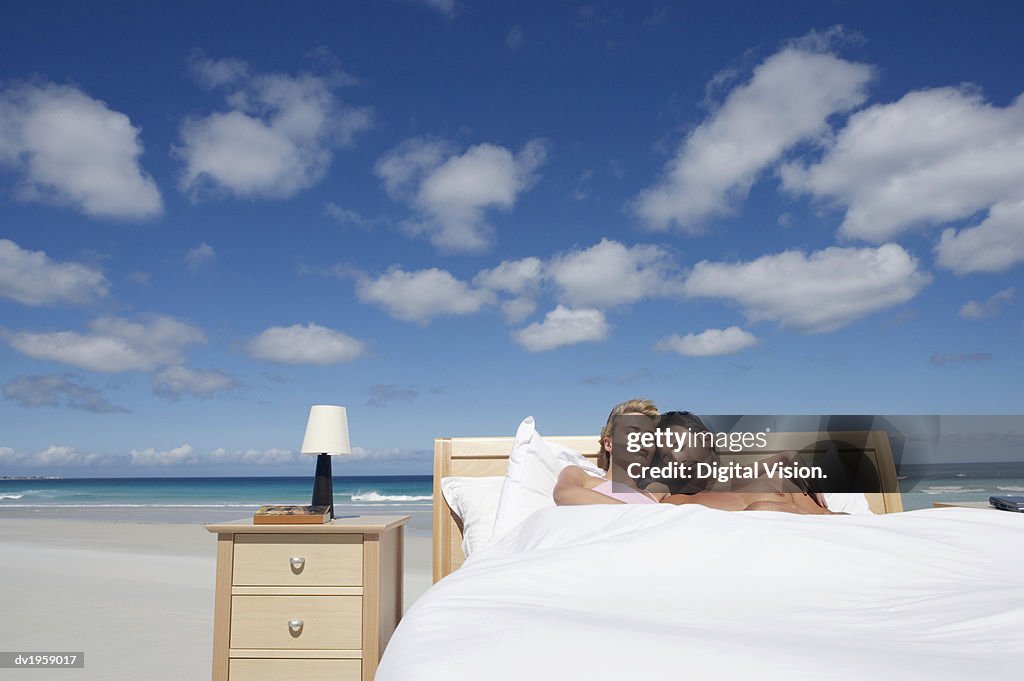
488 456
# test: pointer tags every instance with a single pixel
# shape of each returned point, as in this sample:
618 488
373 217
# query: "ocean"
953 482
209 499
218 499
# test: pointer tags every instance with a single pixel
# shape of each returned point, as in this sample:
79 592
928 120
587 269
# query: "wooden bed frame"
488 456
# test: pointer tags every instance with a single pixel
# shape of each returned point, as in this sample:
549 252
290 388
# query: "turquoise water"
953 482
190 499
211 492
197 500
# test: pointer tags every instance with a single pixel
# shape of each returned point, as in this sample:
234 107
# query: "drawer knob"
297 563
294 624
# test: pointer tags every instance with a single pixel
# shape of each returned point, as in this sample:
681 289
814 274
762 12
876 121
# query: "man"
577 487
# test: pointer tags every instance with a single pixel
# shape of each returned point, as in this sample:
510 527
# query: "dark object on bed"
1008 503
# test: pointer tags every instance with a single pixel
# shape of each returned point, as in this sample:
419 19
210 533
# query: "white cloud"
445 7
788 100
604 275
814 293
514 38
185 454
563 326
709 343
212 73
384 394
518 309
402 168
54 455
583 188
512 276
994 245
54 391
309 344
31 278
344 216
972 309
11 457
256 457
389 454
70 149
930 158
452 191
113 344
609 274
520 278
201 255
421 295
175 381
277 137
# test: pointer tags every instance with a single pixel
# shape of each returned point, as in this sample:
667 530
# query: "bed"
624 591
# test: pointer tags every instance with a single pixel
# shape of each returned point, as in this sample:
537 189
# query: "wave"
1010 488
253 505
44 494
38 493
131 505
377 496
952 489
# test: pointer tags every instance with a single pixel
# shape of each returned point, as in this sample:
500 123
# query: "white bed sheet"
641 592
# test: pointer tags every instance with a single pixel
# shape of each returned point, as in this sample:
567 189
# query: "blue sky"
450 215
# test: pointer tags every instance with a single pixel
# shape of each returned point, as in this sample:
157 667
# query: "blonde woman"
576 487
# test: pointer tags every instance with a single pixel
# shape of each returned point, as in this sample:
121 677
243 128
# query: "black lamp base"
323 485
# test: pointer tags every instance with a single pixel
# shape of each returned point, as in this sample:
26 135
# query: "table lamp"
326 436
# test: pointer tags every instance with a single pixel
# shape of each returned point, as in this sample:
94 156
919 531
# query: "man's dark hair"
691 422
685 419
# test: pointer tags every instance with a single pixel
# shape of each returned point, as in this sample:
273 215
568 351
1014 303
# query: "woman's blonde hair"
645 407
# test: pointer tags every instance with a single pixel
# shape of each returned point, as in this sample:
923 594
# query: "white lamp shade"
326 431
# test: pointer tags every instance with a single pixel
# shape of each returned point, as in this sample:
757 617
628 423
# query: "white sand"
137 598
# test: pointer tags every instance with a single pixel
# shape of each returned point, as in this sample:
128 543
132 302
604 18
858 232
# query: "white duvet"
623 592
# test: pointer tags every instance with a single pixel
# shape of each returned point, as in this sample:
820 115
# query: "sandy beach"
136 597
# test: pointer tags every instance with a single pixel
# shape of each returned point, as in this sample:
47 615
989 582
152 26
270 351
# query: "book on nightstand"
292 515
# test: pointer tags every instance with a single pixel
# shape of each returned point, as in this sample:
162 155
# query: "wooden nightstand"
310 602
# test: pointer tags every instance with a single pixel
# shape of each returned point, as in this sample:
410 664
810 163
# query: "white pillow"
854 503
533 468
475 501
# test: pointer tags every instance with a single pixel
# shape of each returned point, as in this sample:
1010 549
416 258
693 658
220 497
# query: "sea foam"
376 496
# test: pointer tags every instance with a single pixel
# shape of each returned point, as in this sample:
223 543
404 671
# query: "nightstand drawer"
297 622
322 622
291 560
290 670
